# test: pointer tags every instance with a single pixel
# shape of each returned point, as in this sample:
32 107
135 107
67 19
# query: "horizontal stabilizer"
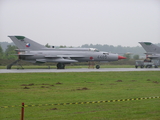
153 56
149 53
22 50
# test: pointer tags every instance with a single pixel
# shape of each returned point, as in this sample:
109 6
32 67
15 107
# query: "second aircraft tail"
150 48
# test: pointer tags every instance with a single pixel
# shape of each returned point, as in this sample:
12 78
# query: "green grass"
43 88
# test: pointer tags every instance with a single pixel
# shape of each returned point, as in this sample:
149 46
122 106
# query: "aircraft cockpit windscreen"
94 49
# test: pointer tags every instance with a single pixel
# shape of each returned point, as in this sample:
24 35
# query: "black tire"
155 66
97 66
60 66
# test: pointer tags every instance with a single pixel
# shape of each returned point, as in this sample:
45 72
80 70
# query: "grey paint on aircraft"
34 52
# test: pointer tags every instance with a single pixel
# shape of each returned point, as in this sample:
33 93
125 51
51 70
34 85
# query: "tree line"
8 53
117 49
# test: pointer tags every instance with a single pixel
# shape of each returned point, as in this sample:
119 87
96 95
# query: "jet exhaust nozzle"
121 57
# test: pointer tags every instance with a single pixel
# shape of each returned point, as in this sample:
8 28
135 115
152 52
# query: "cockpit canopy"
93 49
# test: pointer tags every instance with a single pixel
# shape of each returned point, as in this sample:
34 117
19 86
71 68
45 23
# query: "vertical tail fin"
150 48
24 43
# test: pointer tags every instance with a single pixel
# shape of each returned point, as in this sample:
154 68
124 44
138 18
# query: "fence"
76 103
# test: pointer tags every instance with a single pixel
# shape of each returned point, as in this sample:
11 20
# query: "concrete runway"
76 70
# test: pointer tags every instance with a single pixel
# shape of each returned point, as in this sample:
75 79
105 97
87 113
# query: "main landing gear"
60 66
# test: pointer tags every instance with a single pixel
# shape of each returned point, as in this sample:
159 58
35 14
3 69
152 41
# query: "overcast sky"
79 22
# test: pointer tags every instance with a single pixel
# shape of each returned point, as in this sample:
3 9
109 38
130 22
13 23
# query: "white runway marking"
76 70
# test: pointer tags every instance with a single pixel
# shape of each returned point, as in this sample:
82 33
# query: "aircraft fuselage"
66 56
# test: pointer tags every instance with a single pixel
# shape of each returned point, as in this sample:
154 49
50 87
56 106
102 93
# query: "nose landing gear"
97 66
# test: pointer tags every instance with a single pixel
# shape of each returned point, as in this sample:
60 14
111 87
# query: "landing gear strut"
15 63
60 66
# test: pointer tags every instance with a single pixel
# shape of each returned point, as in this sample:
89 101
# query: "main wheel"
60 66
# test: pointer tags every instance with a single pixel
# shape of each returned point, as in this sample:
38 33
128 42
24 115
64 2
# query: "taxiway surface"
76 70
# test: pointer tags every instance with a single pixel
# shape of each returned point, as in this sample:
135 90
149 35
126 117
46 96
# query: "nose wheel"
97 66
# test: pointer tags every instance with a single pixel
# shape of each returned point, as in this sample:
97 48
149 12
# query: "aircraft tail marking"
24 43
150 48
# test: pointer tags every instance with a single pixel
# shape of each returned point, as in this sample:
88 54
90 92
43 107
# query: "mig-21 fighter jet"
34 52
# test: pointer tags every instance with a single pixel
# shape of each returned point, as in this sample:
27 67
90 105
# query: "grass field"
51 88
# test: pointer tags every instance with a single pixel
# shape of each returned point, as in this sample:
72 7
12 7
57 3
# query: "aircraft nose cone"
121 57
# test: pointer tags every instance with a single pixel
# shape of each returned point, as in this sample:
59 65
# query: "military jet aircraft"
34 52
152 53
152 50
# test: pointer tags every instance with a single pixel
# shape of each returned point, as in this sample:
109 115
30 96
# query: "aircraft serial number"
102 57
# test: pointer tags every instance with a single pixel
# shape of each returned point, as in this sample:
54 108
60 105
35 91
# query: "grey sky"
78 22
